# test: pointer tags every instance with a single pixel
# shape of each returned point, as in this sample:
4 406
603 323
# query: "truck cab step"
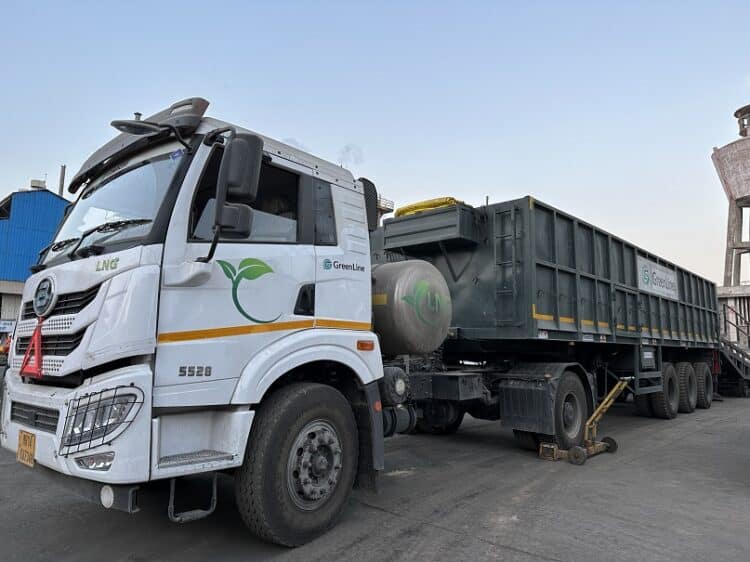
191 514
196 457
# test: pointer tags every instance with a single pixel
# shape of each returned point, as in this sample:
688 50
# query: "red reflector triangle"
31 366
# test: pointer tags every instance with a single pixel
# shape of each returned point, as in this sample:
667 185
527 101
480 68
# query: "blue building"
28 221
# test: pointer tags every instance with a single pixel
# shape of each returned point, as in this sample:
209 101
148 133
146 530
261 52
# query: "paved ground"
676 490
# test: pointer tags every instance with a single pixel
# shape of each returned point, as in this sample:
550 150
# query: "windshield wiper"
51 247
113 226
57 246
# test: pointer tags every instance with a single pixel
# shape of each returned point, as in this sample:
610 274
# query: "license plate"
26 448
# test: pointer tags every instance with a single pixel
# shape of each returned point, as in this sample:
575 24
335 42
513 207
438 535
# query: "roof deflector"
184 115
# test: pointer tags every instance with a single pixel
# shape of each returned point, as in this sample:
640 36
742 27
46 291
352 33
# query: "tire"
577 455
440 417
611 444
666 402
527 440
270 485
688 387
643 405
705 382
571 411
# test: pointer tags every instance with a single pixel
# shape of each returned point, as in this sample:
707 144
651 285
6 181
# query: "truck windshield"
131 195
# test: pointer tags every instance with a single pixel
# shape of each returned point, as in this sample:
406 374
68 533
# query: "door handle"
186 274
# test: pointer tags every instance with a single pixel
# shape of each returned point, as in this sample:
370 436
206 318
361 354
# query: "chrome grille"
70 303
35 416
60 345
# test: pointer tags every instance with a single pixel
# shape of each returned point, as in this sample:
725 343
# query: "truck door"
344 280
258 291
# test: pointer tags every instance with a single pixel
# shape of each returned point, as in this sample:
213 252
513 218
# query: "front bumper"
132 447
119 497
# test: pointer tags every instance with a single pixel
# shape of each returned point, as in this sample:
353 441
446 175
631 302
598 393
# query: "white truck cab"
205 305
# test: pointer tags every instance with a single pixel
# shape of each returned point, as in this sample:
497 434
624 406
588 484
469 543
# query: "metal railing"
734 326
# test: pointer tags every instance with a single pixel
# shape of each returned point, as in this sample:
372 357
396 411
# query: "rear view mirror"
236 220
240 168
239 174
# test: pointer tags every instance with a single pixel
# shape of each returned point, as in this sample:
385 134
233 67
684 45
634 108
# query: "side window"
202 209
325 222
275 209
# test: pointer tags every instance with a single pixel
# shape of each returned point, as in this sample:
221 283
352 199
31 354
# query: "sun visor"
184 115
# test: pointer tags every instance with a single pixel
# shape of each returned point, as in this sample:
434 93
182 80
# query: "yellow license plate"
26 448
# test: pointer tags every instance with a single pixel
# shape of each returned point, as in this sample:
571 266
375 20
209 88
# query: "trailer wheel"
440 417
577 455
666 402
705 383
611 444
527 440
643 405
571 411
300 464
688 387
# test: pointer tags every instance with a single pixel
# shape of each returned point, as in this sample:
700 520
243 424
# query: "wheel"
577 455
666 402
571 411
705 382
527 440
611 444
440 417
300 464
643 405
688 387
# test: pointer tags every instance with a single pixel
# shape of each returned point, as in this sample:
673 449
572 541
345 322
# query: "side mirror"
239 171
236 220
239 175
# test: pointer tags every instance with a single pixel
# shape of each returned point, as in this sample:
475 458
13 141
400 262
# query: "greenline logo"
645 276
426 301
249 269
336 264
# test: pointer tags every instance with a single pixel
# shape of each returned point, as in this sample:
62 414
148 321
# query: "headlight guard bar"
97 418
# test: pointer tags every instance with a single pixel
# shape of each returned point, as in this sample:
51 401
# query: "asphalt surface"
676 490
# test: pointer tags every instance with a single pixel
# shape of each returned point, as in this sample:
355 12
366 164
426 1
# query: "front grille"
60 345
69 303
35 416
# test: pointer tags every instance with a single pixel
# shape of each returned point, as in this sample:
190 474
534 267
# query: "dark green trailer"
546 304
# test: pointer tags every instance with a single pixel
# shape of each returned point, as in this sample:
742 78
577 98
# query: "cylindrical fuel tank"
411 307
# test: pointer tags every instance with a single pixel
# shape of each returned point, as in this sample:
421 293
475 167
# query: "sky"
608 110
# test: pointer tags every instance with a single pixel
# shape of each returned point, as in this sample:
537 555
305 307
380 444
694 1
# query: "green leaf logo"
228 269
250 269
426 302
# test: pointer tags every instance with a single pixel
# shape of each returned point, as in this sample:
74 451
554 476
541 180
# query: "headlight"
97 461
95 419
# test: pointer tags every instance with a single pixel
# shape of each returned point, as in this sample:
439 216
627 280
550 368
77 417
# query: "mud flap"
527 395
371 446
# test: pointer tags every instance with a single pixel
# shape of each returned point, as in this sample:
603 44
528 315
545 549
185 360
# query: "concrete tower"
732 163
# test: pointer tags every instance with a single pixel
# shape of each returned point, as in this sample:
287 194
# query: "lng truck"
217 301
